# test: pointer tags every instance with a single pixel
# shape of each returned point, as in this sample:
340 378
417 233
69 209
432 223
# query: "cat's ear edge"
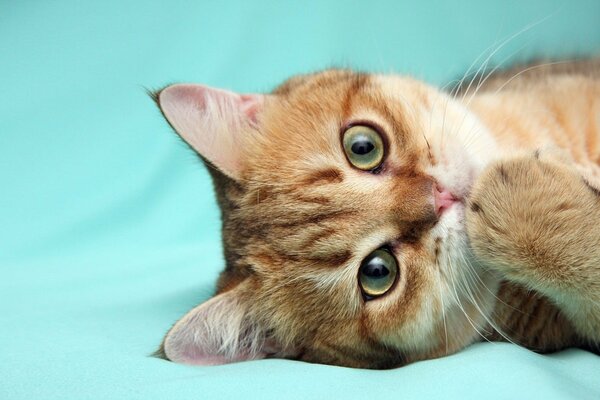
214 122
218 331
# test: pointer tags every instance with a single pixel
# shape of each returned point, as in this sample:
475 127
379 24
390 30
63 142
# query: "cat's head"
342 198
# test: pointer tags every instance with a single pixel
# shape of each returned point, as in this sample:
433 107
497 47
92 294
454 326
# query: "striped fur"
299 219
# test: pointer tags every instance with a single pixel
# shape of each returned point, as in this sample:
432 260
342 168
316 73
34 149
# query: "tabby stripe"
332 260
534 321
321 200
324 176
313 239
357 83
315 219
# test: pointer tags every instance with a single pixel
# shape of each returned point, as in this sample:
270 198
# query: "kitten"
373 220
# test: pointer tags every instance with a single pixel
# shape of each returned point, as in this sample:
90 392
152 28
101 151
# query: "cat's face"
343 221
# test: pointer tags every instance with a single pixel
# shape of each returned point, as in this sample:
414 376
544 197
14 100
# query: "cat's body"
304 215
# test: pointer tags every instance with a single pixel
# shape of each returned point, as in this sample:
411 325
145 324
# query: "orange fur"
298 219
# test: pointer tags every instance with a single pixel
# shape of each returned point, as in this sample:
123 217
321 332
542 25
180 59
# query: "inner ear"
219 331
214 122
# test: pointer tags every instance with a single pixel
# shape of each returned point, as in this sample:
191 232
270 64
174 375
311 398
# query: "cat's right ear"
214 122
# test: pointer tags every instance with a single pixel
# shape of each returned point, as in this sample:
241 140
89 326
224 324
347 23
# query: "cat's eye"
377 274
364 147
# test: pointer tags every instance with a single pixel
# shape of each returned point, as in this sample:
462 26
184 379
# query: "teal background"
108 227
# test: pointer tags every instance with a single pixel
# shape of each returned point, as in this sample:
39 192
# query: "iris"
377 273
364 147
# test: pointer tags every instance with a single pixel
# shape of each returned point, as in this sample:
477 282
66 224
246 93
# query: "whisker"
470 272
529 69
489 74
457 87
459 303
470 266
500 47
443 314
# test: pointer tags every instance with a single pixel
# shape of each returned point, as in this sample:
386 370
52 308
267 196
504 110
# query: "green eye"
377 273
364 147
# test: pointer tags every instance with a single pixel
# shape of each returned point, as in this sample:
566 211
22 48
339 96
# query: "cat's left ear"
214 122
218 331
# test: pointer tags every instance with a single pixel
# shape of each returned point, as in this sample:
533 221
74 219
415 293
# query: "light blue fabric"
108 227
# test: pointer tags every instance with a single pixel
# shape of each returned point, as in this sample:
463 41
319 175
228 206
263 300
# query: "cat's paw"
528 212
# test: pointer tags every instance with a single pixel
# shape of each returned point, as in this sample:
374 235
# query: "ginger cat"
374 220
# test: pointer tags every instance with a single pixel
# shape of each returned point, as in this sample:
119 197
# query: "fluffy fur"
516 258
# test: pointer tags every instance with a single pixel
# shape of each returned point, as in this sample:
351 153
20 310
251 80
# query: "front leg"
536 221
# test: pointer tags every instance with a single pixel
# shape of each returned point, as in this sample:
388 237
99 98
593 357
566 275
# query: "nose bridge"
414 201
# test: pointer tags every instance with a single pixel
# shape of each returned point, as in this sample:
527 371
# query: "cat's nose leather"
443 199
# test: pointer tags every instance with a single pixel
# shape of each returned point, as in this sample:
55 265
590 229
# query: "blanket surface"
109 231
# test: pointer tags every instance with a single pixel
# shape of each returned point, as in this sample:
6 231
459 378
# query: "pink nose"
443 199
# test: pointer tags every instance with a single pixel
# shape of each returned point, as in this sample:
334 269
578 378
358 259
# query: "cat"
373 220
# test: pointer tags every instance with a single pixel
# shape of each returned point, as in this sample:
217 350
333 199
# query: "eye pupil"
362 146
375 269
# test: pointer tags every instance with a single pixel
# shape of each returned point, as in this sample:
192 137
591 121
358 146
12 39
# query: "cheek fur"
461 144
405 318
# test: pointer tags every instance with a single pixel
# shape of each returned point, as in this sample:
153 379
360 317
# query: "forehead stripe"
324 176
356 84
